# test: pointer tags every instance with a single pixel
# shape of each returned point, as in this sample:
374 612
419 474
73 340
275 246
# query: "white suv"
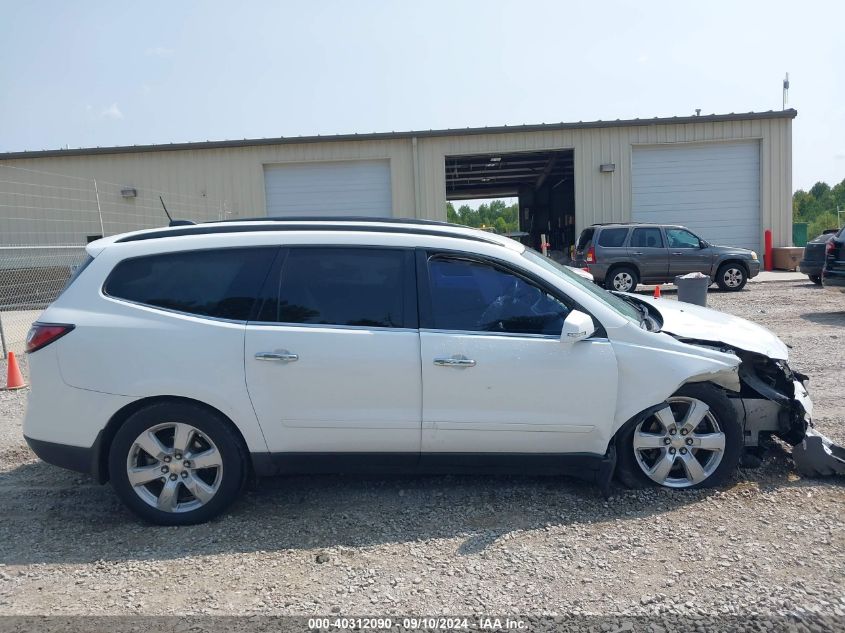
180 362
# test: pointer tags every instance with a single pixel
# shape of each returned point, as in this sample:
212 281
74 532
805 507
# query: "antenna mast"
785 91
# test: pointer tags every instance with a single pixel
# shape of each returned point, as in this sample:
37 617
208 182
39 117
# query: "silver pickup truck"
622 255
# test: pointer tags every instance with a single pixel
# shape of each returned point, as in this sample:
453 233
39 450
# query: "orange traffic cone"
14 378
657 292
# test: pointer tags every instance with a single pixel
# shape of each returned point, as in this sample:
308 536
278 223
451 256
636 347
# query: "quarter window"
612 237
467 295
221 283
340 286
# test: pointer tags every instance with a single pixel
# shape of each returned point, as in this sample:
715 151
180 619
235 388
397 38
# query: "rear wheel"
731 276
622 279
177 464
694 442
816 279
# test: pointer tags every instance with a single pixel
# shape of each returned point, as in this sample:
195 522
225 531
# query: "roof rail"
221 228
338 218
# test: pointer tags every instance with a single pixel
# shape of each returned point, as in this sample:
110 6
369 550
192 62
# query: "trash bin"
692 288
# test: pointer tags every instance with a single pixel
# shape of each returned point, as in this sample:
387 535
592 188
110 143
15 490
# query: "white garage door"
711 188
330 189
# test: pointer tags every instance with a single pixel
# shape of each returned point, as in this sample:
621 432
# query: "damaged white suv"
181 362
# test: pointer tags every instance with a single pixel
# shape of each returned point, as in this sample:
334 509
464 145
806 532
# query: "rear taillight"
830 247
42 334
591 255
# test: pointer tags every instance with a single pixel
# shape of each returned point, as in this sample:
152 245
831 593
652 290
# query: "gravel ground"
769 543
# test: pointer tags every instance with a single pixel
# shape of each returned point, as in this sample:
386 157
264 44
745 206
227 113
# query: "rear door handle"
677 253
454 361
637 253
283 356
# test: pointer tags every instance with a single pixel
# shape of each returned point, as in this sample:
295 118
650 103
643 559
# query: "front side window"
220 283
364 287
612 237
649 237
681 238
472 296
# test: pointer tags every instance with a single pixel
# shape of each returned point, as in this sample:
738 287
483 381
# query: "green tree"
818 207
496 214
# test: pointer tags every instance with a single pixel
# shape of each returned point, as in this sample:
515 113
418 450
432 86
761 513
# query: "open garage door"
711 188
360 187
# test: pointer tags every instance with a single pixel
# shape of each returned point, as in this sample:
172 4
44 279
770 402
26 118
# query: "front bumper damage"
774 401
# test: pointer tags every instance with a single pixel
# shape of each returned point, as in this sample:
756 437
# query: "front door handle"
282 356
637 253
454 361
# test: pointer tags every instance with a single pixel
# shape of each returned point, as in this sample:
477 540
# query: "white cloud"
642 59
159 51
112 112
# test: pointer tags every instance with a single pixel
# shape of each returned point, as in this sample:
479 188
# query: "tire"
714 466
164 486
732 277
618 278
816 279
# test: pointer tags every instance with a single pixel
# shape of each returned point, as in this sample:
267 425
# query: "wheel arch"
617 265
732 260
104 441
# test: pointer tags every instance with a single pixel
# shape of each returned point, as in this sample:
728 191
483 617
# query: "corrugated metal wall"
233 177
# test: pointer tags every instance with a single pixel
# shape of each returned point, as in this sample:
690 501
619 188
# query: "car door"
686 254
496 377
648 251
332 360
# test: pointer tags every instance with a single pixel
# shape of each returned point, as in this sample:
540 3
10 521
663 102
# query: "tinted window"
220 283
647 238
613 237
340 286
681 238
584 239
477 297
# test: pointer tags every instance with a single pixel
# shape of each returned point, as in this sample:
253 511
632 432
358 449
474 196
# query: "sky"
84 74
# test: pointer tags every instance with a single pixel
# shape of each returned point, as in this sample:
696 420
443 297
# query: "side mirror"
577 327
702 244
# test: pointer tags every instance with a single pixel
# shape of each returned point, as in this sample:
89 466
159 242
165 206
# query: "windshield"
618 305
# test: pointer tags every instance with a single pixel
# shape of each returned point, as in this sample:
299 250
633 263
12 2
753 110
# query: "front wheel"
177 464
694 442
816 279
731 277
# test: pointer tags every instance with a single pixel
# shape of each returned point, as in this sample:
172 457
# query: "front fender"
648 374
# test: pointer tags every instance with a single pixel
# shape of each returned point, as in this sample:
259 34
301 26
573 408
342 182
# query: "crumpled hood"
687 320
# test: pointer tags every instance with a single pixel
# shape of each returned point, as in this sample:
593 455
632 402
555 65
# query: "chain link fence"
46 219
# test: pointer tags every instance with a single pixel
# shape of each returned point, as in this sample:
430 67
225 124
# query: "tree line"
497 215
818 207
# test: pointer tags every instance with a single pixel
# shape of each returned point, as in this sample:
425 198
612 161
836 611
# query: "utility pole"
785 91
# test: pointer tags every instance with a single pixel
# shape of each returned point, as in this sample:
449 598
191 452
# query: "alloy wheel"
174 467
623 282
732 277
680 445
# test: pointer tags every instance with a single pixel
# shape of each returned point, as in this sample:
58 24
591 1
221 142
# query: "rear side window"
650 237
613 237
584 239
364 287
220 283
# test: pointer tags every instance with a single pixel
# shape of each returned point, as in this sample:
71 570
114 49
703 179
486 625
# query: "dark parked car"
814 252
833 275
620 256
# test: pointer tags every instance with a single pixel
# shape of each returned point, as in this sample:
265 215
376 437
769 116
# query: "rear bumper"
811 268
77 458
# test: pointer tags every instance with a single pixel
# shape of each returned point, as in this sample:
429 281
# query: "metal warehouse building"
728 177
